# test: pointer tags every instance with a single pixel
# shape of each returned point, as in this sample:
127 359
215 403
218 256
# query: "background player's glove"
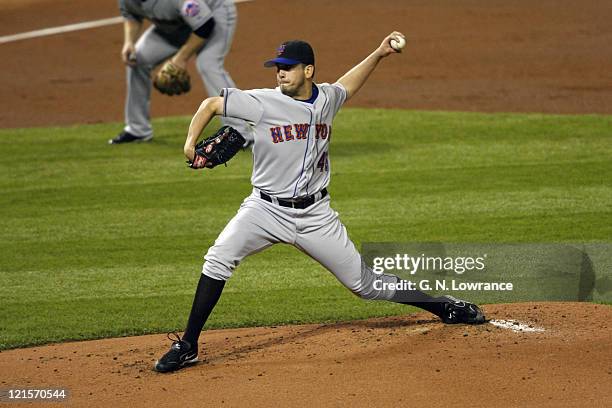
217 149
172 80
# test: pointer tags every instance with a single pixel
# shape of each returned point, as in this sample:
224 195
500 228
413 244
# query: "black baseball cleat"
459 311
126 137
180 355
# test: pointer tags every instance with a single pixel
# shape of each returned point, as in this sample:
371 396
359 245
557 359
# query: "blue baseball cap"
292 53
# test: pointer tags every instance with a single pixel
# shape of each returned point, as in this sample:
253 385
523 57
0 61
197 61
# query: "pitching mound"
545 354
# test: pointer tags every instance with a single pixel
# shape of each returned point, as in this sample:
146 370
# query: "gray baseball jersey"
173 22
171 16
291 137
291 161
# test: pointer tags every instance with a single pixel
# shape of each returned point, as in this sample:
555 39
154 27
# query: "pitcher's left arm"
354 79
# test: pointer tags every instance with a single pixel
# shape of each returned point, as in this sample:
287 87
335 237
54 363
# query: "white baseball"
398 44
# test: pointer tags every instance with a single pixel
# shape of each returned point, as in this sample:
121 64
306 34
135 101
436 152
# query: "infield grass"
101 241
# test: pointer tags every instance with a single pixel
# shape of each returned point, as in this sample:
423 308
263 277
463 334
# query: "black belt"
299 203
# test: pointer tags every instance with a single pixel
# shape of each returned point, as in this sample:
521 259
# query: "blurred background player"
180 29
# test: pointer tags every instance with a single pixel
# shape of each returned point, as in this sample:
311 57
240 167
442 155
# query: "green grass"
101 240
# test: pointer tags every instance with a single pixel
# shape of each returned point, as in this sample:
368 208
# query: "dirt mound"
412 360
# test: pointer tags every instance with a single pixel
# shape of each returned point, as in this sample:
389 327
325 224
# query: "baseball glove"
217 149
172 80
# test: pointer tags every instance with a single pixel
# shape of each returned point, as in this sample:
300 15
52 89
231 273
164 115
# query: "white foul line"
68 28
61 29
516 326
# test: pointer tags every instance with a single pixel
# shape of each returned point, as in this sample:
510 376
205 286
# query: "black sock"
206 297
421 300
435 307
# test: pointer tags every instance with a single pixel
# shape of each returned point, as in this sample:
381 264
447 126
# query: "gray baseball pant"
317 231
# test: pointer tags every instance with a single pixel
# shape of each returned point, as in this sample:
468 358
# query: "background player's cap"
292 53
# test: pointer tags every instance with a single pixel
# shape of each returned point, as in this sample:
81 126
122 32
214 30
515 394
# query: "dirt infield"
400 361
478 55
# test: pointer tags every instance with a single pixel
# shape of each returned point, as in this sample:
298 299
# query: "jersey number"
323 164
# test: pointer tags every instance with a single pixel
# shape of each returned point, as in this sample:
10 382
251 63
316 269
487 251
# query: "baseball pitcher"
292 126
